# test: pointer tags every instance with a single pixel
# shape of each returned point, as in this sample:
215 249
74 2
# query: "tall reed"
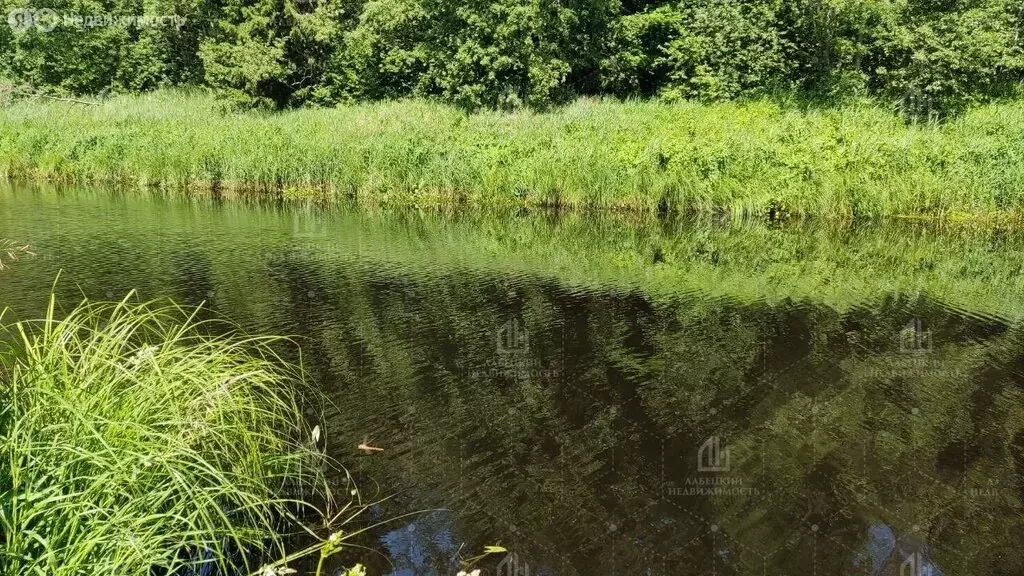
744 158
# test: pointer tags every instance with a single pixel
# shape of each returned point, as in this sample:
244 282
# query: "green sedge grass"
131 441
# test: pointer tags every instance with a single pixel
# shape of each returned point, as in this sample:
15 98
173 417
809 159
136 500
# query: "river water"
605 394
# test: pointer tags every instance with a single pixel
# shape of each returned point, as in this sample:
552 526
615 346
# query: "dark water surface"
605 396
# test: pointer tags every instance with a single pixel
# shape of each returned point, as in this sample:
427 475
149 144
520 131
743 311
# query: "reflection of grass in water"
130 442
741 158
973 270
693 369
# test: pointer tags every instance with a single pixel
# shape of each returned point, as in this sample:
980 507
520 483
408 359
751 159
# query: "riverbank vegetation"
753 158
768 107
922 58
130 443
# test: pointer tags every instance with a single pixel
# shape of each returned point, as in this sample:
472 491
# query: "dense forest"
923 57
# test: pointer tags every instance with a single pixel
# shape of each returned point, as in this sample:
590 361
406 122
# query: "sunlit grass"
129 442
753 158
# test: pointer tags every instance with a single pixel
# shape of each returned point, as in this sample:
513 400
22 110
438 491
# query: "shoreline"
325 197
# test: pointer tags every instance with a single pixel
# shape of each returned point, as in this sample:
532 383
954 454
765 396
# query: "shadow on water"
638 399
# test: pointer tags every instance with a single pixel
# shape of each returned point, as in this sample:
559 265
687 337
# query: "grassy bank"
129 443
750 158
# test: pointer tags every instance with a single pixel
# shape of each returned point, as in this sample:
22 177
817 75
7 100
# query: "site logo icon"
24 19
712 457
512 565
914 339
912 565
513 338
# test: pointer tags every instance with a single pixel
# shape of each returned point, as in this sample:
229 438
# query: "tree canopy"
924 56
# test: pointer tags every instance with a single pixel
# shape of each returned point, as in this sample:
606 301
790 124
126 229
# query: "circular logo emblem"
21 19
46 19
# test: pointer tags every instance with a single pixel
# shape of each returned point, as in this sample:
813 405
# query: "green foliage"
128 441
724 49
119 55
753 158
477 54
939 61
636 64
275 53
500 54
928 59
384 57
246 59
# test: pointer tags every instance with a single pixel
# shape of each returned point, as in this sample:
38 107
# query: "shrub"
929 58
75 58
938 62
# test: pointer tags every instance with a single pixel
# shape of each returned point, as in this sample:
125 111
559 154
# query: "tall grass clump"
132 443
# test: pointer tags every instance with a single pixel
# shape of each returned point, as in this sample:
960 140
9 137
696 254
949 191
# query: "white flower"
279 571
142 355
473 573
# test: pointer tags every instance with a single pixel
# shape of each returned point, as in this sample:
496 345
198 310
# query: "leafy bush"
935 62
276 53
725 49
476 54
927 58
636 64
79 58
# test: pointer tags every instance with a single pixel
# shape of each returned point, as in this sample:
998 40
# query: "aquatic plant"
131 441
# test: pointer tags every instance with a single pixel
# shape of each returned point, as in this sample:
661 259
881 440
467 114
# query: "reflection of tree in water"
579 452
